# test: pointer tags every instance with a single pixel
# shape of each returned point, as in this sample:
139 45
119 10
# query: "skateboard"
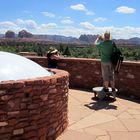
98 92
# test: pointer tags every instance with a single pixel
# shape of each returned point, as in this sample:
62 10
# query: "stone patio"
90 119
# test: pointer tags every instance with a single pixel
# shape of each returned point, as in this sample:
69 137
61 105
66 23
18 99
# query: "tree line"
67 50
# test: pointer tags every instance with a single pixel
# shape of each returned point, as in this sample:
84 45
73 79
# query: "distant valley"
83 39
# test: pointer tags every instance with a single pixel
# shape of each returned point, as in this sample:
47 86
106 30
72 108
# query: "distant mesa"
83 39
21 34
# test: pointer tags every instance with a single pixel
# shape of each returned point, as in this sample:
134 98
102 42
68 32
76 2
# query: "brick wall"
34 109
40 60
28 53
86 73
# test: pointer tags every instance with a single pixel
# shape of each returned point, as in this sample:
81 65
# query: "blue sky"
71 17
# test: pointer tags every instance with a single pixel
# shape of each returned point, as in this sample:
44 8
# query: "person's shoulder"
112 41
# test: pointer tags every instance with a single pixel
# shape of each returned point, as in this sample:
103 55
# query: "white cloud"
19 21
125 10
52 28
48 14
49 26
67 21
81 7
31 24
99 19
116 32
125 32
6 24
87 25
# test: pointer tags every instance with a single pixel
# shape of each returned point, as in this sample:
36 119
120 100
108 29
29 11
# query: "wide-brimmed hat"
52 50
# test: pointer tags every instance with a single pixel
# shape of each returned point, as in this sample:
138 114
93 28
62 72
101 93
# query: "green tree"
67 52
61 48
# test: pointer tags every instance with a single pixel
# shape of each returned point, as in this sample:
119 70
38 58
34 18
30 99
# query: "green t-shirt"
105 48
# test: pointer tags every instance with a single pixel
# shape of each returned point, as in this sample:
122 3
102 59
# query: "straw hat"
52 50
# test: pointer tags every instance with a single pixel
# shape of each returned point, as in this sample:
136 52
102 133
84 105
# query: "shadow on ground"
103 104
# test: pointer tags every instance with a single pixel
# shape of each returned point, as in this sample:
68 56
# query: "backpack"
116 58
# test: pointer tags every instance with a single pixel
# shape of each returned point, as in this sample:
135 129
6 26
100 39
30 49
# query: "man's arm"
96 41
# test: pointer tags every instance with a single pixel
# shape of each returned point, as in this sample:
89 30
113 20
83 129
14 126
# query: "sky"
72 17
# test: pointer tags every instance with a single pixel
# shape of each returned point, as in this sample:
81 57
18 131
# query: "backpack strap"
115 48
114 45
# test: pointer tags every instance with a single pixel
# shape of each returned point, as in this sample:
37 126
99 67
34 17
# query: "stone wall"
40 60
28 53
34 109
86 74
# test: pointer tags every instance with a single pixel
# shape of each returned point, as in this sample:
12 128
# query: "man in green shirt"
106 48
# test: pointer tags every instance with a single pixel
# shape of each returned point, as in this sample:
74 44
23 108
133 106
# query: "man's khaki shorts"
107 71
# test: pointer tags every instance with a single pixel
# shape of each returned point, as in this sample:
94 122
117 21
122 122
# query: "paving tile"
80 112
115 112
130 104
131 124
95 131
83 96
115 125
71 121
136 116
125 115
133 111
93 119
106 120
125 135
103 138
74 135
73 101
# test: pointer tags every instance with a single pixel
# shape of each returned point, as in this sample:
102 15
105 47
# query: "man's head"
107 35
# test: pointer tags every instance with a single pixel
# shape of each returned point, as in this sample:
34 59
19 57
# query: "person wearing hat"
106 48
53 57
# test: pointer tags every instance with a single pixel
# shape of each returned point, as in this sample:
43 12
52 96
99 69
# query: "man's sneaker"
114 93
105 89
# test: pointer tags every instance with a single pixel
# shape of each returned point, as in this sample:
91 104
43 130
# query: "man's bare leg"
106 84
113 89
112 83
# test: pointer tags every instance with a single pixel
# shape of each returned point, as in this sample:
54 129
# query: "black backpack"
116 58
